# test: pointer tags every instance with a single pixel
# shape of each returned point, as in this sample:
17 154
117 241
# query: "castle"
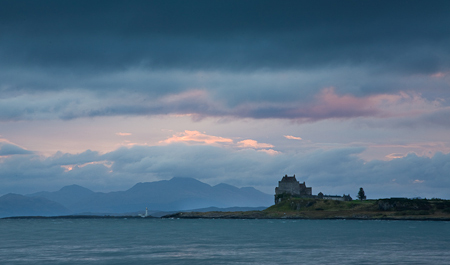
291 187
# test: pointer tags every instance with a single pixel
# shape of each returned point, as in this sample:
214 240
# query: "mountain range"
175 194
18 205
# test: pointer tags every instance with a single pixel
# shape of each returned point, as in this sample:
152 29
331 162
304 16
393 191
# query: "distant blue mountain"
67 196
172 195
166 195
18 205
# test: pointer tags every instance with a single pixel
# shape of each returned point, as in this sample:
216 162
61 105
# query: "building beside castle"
291 187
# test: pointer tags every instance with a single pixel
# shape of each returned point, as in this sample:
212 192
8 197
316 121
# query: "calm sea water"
155 241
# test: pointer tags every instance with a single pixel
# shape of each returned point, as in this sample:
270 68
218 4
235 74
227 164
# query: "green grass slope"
300 208
394 208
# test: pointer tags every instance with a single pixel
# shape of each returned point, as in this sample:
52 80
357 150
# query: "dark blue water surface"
168 241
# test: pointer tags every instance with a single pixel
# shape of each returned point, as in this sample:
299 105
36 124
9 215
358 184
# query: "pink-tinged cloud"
8 148
195 103
202 138
407 105
438 75
270 151
123 134
194 94
129 143
331 105
196 136
425 149
253 144
328 105
290 137
3 140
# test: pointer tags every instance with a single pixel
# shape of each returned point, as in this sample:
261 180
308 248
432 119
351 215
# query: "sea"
221 241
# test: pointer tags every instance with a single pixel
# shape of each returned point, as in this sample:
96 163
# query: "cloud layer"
293 60
229 35
7 149
336 79
334 171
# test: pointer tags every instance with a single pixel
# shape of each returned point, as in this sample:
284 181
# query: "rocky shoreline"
315 209
251 215
82 217
329 216
319 209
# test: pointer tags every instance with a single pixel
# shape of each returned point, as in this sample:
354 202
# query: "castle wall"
290 185
308 191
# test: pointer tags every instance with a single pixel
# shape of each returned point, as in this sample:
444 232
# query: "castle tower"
291 187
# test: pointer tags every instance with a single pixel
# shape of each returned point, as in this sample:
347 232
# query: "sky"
343 94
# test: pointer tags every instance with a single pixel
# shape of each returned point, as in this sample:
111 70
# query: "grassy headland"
301 208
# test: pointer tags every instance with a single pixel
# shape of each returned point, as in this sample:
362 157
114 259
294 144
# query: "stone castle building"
291 187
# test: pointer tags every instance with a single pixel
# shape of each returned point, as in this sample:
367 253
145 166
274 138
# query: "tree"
361 194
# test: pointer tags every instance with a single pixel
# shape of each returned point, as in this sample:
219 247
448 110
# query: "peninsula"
295 200
307 208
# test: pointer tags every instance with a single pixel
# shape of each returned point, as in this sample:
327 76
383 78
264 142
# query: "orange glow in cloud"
129 143
196 136
394 156
105 163
123 134
67 168
290 137
202 138
253 144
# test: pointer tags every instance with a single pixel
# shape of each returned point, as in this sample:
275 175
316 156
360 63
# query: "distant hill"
67 196
166 195
172 195
19 205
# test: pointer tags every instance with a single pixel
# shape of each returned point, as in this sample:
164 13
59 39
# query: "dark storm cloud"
120 169
237 35
257 59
